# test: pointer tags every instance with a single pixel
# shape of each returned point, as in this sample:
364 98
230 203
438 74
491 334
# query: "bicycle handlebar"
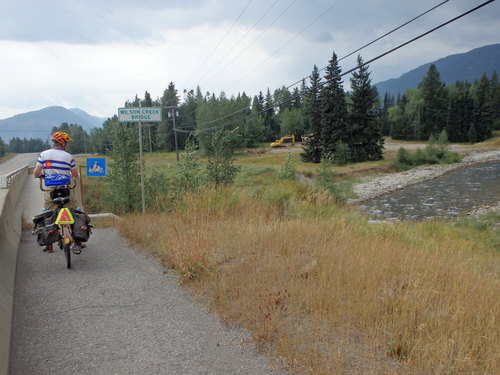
56 186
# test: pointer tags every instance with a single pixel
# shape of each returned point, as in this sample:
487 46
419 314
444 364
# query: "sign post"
140 115
143 196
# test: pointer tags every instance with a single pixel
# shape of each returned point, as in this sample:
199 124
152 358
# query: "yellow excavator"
284 141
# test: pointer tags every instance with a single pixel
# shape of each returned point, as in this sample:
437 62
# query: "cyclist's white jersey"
57 165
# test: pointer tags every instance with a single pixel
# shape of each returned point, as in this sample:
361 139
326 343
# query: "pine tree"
495 100
472 134
100 138
147 102
273 129
388 103
365 131
166 137
258 102
483 114
433 117
460 113
257 131
124 167
296 98
187 117
220 165
399 120
312 115
150 134
283 99
199 95
16 145
334 126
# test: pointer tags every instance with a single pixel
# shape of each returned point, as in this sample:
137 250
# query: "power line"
303 30
342 58
289 41
393 30
239 41
377 39
350 70
421 36
220 41
255 39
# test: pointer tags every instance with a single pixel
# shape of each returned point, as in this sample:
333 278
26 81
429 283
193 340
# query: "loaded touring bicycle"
68 227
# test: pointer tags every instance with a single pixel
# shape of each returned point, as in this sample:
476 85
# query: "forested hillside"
468 66
467 112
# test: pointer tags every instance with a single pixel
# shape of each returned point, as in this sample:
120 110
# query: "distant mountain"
467 66
38 124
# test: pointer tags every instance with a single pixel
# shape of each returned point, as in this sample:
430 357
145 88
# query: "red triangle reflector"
64 217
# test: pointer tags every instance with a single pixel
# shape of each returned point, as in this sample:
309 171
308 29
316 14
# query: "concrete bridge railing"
11 187
7 180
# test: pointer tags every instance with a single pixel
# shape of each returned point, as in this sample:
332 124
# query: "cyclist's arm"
38 171
74 172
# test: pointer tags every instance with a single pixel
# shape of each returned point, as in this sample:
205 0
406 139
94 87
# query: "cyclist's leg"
47 201
72 201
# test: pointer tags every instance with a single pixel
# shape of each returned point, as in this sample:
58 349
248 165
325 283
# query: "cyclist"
57 166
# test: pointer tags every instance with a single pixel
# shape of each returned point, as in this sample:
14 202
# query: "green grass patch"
483 228
430 155
255 175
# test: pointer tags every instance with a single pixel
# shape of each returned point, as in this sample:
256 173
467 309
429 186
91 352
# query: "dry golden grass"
493 143
317 285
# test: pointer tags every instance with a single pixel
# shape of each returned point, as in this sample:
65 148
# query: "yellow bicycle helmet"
61 137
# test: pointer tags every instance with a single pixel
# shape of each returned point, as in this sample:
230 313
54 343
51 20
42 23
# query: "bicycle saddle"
61 201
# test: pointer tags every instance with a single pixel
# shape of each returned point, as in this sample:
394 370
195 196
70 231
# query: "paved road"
116 312
18 161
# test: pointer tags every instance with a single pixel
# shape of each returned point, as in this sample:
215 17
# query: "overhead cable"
239 41
220 41
288 42
349 71
357 50
255 39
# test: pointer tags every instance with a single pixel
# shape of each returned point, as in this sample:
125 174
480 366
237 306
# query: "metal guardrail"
6 180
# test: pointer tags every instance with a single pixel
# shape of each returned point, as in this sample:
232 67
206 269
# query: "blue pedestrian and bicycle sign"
96 167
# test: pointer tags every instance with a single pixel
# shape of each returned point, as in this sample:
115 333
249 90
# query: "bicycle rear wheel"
67 254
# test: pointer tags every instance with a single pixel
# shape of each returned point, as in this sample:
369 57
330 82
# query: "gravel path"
373 186
117 312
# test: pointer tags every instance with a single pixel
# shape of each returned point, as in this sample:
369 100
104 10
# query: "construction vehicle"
284 141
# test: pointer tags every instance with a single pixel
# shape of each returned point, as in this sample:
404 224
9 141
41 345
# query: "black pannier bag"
46 231
81 227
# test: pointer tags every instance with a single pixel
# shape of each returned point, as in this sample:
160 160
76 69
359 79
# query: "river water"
450 195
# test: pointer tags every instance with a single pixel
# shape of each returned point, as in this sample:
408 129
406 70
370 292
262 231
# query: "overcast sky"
95 54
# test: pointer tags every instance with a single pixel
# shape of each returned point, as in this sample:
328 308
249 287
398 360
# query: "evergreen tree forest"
343 126
468 112
18 145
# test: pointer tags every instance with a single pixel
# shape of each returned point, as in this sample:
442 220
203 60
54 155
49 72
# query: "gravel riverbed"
374 186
